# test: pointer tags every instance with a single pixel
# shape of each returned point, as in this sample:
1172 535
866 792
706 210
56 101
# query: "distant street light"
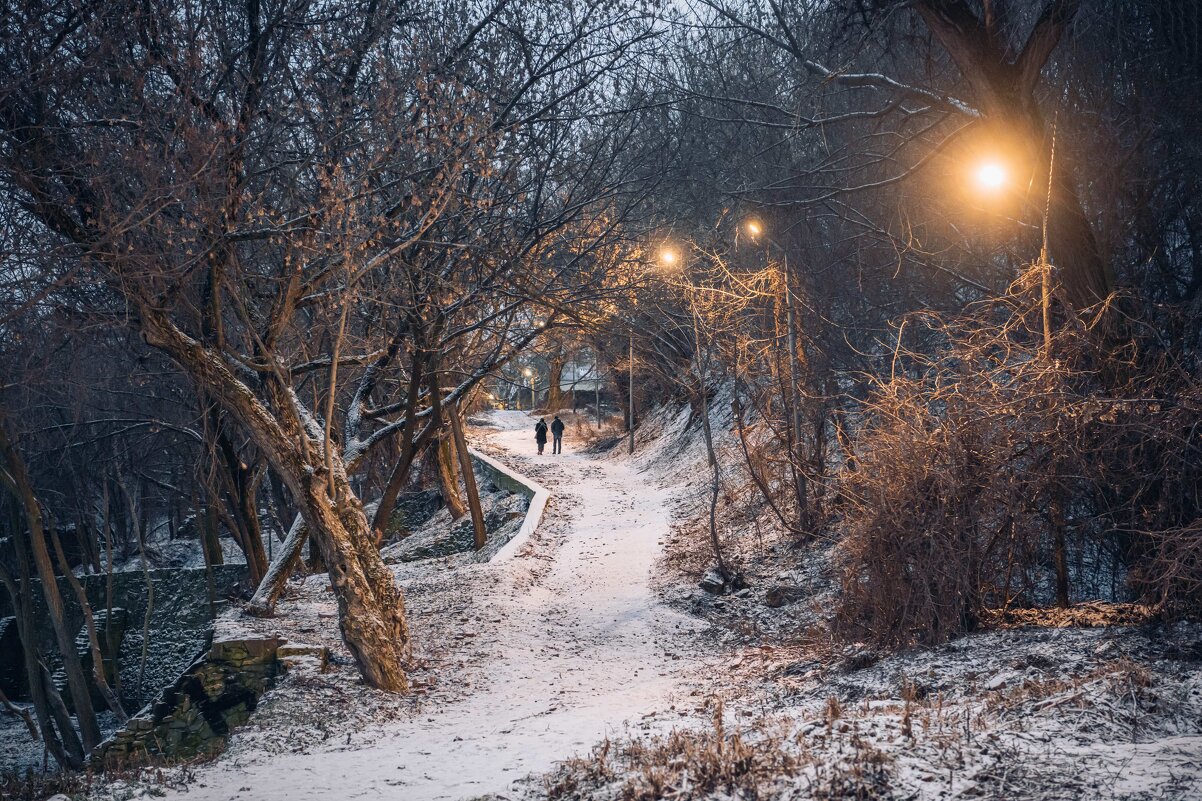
530 374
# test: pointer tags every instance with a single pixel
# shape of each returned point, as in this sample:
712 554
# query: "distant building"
581 376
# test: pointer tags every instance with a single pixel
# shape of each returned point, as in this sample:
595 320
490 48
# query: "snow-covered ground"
570 643
581 653
1038 712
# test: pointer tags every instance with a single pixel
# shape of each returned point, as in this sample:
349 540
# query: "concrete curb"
539 495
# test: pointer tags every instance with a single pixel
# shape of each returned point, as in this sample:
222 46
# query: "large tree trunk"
371 608
554 391
370 605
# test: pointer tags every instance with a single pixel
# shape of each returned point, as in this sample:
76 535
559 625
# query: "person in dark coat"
540 434
557 435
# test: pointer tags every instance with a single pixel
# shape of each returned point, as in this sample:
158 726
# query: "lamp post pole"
532 392
630 388
799 478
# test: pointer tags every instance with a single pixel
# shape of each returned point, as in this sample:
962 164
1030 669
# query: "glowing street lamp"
668 258
530 374
991 176
754 228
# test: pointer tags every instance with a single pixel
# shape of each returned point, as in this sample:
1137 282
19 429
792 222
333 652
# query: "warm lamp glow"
754 228
527 372
668 257
991 175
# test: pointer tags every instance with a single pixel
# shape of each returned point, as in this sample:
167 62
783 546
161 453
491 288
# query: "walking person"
540 435
557 435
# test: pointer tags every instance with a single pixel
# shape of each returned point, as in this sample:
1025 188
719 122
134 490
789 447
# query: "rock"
780 595
712 582
997 682
743 593
296 654
859 659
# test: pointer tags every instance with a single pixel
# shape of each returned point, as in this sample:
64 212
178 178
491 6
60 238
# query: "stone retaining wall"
180 623
491 470
513 481
195 714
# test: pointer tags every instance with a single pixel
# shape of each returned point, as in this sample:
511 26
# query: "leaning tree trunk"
370 605
409 448
469 480
371 608
443 453
89 619
64 746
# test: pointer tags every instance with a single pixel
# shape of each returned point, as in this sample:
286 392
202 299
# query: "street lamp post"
630 390
530 375
756 230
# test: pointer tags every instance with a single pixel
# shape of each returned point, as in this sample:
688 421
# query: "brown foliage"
992 475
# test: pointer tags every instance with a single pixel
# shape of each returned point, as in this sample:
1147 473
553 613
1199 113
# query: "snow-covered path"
582 649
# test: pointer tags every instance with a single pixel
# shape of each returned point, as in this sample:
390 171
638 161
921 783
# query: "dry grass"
1091 614
36 787
764 761
590 438
683 765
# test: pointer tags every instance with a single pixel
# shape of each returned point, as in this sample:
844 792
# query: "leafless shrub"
37 786
1003 472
